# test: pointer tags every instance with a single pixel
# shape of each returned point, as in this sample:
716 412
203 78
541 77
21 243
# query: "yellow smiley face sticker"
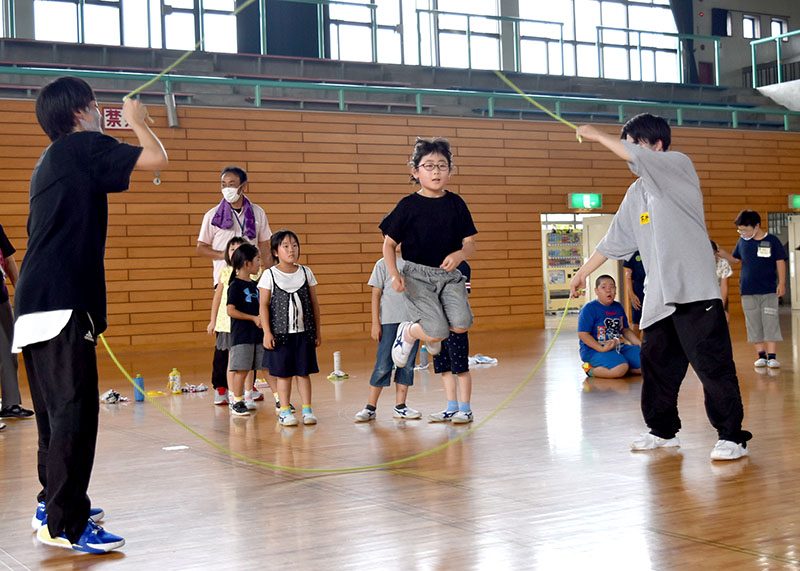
644 218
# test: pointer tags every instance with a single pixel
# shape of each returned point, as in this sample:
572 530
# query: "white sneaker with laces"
760 362
287 419
365 415
727 450
462 417
406 412
648 441
773 364
401 348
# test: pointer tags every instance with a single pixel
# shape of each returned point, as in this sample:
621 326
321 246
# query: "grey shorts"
245 357
761 318
436 299
223 340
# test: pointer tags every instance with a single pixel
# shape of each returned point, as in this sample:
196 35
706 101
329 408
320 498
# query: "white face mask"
748 238
231 193
94 125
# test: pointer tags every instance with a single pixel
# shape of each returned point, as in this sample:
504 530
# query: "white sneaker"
287 419
401 349
220 398
760 362
365 415
648 441
406 412
773 364
257 395
434 348
309 418
727 450
250 404
462 417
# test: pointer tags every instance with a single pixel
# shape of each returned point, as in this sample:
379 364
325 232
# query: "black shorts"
296 357
454 356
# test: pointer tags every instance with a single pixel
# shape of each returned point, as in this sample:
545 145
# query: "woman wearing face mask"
234 216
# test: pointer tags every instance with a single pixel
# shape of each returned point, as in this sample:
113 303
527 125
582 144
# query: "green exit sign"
794 201
586 201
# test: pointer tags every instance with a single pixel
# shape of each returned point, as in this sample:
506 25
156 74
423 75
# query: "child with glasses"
436 233
683 319
761 282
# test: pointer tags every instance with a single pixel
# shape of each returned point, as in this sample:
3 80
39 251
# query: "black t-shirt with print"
6 249
67 226
243 295
429 229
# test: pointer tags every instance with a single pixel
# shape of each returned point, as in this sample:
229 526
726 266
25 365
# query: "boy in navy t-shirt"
608 348
634 287
761 282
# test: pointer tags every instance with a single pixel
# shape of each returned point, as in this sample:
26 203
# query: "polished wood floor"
548 483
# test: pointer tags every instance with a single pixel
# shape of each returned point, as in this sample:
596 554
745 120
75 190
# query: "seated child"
603 332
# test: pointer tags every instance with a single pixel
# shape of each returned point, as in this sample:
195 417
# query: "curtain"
683 12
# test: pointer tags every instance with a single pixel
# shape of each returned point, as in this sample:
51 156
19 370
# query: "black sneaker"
15 411
239 409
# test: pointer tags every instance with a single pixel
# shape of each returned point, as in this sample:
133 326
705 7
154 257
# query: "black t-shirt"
6 250
637 273
429 229
63 266
243 295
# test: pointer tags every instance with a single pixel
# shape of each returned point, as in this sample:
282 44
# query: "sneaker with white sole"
434 348
401 348
94 539
250 404
773 364
462 417
648 441
443 416
364 415
257 395
760 362
220 396
406 412
38 519
287 419
309 418
728 450
239 409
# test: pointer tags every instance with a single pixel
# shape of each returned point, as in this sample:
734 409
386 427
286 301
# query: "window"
750 27
778 26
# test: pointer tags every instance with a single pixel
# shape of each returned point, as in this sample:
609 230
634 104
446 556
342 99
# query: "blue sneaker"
37 521
94 539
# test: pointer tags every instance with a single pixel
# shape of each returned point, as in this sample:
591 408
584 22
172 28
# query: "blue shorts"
630 354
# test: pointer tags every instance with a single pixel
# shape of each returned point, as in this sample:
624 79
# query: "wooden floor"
548 483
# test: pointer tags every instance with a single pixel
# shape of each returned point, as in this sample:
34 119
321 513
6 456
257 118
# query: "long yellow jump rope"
382 465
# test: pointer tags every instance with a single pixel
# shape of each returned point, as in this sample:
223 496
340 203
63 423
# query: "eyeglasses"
443 167
741 232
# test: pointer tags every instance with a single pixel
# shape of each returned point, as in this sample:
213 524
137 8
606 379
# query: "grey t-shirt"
662 216
393 304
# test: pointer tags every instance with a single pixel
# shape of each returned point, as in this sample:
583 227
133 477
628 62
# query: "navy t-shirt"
429 229
759 275
6 250
637 273
63 266
243 295
603 322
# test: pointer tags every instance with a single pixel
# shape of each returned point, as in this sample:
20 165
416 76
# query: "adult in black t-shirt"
61 297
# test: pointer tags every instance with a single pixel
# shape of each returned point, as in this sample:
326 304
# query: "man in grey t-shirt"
683 319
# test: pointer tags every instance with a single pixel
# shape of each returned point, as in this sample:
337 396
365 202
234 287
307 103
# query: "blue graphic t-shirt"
603 322
243 295
759 275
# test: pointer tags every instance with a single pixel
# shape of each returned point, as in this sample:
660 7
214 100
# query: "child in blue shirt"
608 347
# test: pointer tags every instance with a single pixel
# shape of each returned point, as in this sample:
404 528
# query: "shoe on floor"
239 409
94 539
309 418
771 363
16 411
2 426
727 450
365 415
221 396
250 403
38 519
258 395
287 419
443 416
462 417
406 412
401 349
648 441
760 362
